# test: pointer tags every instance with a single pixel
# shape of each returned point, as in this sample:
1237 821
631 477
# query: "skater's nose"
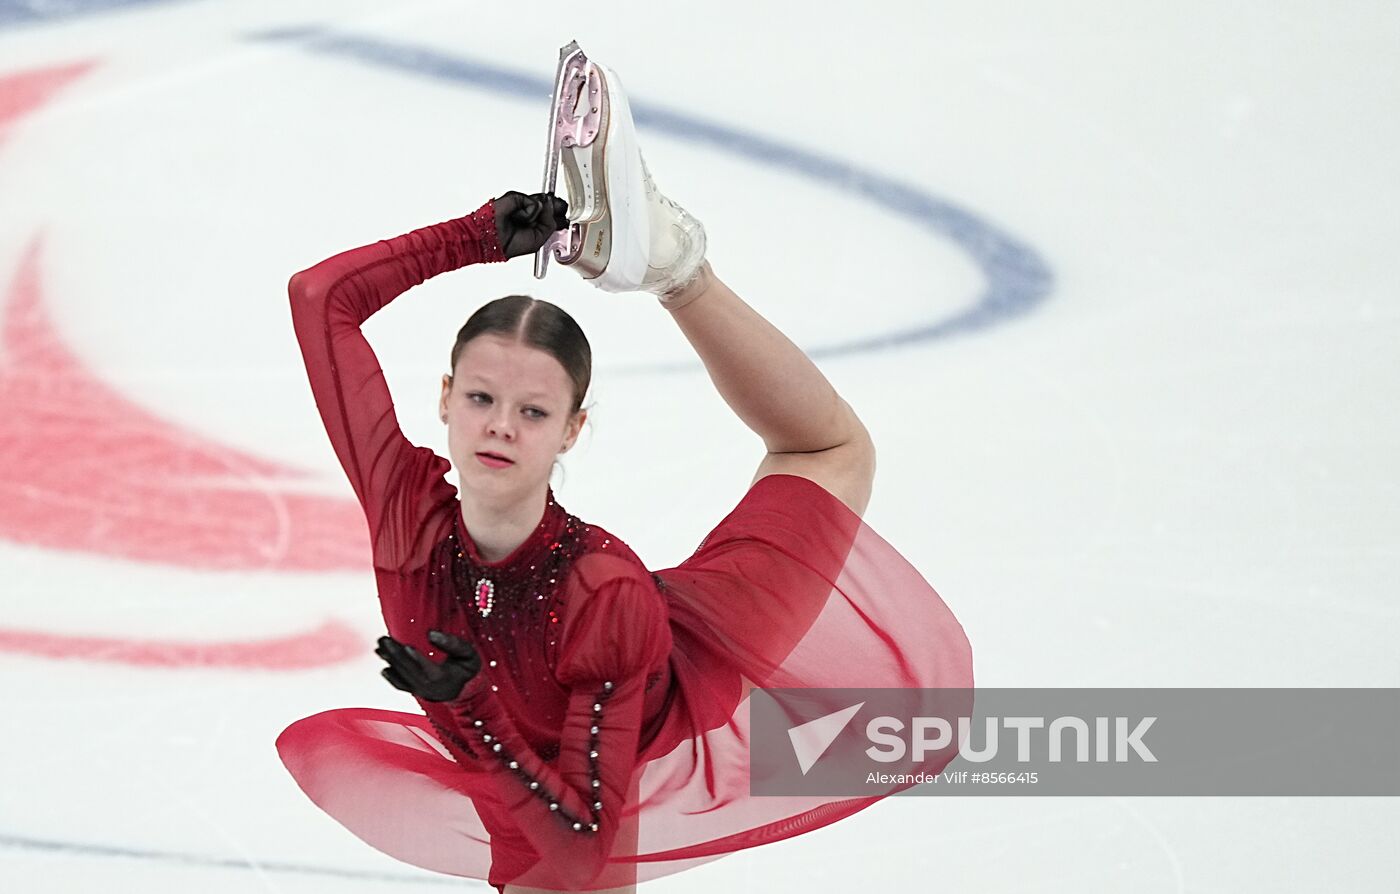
499 426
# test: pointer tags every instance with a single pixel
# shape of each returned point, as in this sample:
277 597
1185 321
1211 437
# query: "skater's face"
512 400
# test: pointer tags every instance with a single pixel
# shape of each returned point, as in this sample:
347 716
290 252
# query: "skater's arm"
331 300
580 830
615 634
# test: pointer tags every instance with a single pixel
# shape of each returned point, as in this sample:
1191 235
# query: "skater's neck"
498 524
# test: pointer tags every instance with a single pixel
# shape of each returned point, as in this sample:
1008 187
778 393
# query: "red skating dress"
605 740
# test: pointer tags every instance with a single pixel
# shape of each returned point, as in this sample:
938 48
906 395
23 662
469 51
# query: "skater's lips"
494 455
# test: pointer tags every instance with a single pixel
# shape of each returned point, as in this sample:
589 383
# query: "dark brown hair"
539 324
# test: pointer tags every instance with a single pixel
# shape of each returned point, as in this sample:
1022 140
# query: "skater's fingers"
387 648
452 645
405 658
401 674
514 209
551 206
413 676
561 212
397 661
524 215
395 680
427 666
455 647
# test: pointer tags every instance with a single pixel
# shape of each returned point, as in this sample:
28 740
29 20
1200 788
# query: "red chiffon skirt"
791 590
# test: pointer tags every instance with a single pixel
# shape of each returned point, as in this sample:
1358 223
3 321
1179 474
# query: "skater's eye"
472 396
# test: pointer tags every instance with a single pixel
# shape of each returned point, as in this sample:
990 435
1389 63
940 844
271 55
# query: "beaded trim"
578 824
547 753
448 735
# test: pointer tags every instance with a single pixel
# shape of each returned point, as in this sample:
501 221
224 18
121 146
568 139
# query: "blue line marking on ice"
174 857
28 12
1018 278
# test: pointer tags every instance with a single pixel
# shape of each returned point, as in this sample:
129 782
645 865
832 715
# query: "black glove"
412 671
524 223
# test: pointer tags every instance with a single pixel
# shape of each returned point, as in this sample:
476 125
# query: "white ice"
1178 469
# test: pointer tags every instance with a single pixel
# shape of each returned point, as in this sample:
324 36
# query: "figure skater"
583 722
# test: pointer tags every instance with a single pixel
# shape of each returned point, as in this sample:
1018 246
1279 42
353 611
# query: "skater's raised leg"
777 390
634 238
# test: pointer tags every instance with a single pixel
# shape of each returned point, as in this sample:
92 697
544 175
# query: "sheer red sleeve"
329 303
615 632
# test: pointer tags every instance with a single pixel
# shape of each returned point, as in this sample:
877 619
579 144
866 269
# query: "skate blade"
577 114
589 246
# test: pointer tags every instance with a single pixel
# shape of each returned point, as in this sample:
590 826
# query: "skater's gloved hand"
524 223
412 671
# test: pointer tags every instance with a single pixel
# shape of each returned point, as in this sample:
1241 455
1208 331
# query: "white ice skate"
624 235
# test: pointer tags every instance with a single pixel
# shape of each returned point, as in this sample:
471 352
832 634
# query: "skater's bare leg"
776 390
657 246
766 379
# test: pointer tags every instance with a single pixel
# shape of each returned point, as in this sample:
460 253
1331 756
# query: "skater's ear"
571 431
442 399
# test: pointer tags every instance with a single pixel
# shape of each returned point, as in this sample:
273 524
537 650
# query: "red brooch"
485 596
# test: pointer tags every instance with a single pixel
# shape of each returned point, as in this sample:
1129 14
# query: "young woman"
584 723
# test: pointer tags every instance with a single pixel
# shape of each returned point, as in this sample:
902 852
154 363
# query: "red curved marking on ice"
330 643
27 90
84 469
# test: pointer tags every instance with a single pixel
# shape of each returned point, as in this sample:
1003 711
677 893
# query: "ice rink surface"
1114 287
